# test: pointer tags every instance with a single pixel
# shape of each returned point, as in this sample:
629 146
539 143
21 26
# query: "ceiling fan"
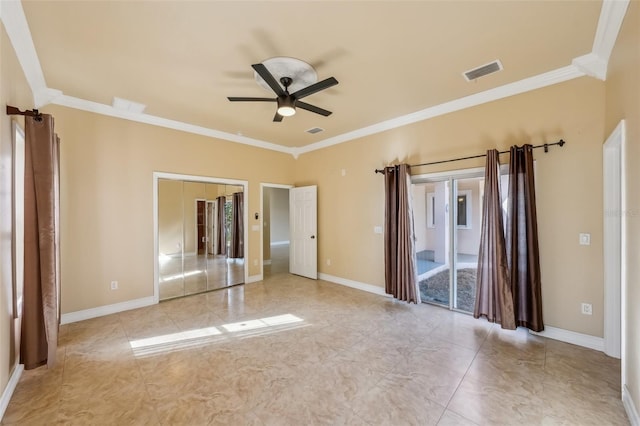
287 102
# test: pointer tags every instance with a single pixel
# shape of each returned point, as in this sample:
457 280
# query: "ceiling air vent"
483 70
315 130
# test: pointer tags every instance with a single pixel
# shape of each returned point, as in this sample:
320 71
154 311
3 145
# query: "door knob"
313 236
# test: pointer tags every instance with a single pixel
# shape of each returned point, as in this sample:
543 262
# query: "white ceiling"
397 62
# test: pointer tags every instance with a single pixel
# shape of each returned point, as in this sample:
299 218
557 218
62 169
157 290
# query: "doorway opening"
275 229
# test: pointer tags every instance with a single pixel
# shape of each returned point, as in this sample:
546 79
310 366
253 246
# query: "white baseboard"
279 243
266 262
10 388
354 284
630 407
585 340
254 278
107 310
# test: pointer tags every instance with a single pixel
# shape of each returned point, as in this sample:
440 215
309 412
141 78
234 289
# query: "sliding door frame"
452 177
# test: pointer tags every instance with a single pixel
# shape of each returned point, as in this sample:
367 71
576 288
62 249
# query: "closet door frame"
192 178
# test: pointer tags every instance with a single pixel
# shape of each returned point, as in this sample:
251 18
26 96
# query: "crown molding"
532 83
109 110
609 24
593 64
15 23
45 97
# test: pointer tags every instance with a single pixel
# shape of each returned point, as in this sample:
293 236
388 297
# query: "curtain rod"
11 110
544 145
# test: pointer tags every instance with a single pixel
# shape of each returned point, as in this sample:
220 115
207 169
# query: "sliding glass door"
467 225
431 222
448 221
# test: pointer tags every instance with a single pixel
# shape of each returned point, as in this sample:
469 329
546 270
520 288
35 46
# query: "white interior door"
303 224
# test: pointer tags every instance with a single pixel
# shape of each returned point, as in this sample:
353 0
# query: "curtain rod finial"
11 110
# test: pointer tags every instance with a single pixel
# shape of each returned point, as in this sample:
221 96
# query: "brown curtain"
493 295
41 305
399 236
237 226
221 238
522 240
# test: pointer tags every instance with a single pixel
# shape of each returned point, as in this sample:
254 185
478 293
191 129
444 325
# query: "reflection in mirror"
200 237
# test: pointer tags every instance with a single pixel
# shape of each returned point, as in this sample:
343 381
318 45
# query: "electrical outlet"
114 285
587 309
328 262
255 262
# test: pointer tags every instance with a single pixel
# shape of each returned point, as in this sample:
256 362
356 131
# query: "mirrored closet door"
200 237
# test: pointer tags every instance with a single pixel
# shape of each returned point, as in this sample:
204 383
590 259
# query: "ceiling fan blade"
268 78
310 90
277 117
313 108
241 99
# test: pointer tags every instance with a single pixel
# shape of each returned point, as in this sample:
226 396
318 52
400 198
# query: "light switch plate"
585 239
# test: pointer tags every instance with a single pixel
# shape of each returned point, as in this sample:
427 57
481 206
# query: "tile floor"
291 351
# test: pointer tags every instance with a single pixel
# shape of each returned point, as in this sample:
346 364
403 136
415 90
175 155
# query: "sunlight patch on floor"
207 335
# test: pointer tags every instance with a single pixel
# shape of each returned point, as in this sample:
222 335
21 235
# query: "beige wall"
14 91
107 201
623 102
350 206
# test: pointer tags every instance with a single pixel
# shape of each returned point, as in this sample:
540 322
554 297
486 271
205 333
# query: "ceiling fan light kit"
286 107
300 74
